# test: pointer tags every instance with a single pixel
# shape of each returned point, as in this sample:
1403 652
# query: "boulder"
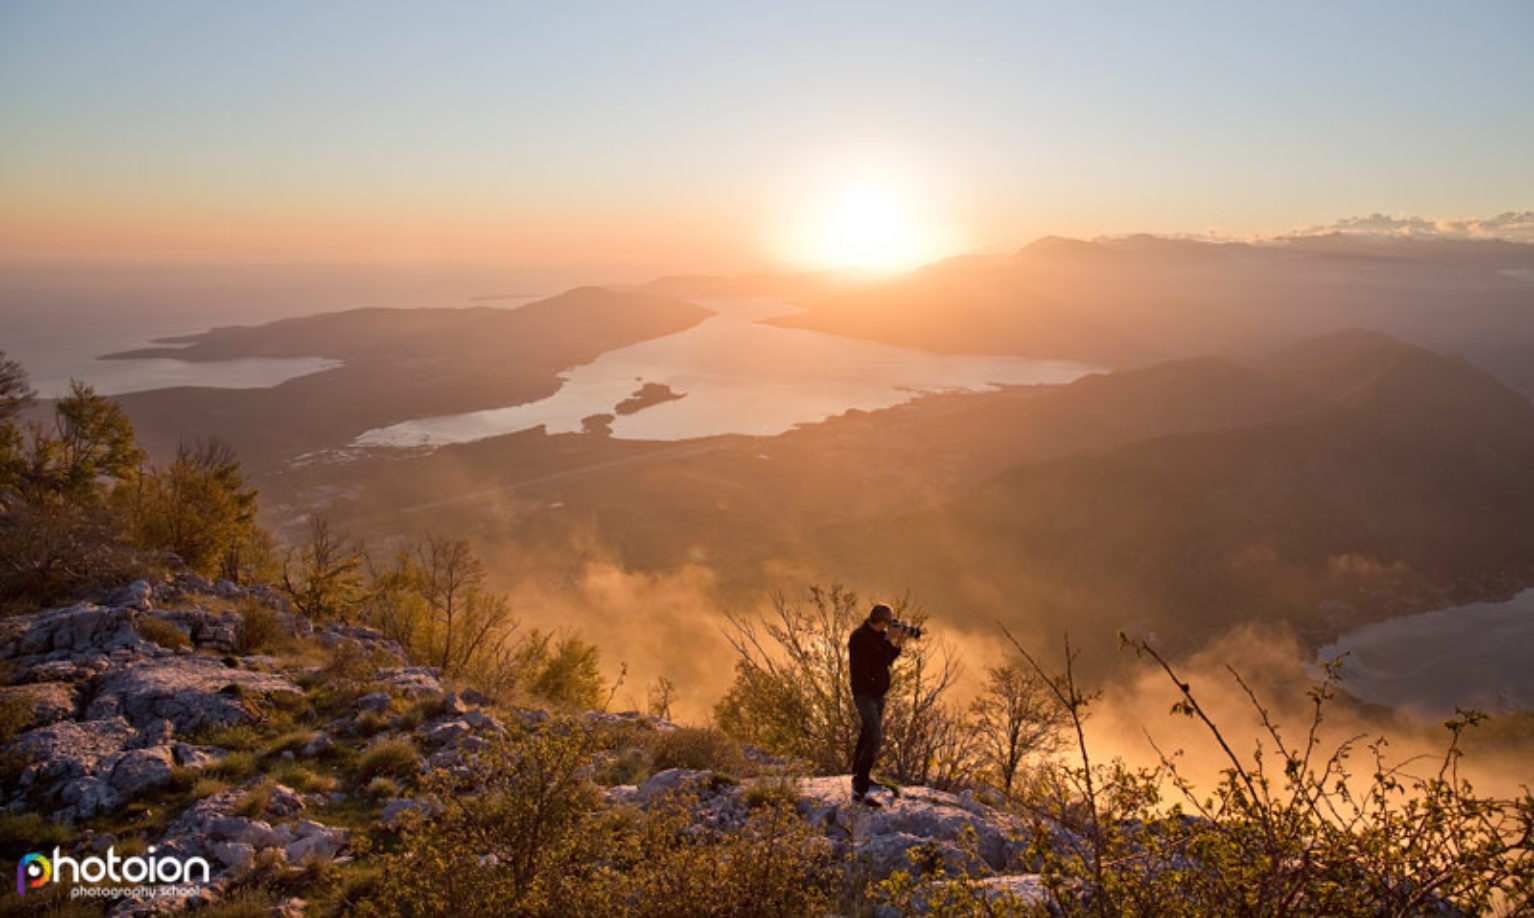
479 720
70 749
919 816
138 595
412 681
453 705
674 781
443 733
322 743
399 809
315 842
192 692
284 801
190 756
234 855
374 701
142 770
71 631
470 696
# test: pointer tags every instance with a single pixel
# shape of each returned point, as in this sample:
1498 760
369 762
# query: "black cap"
881 613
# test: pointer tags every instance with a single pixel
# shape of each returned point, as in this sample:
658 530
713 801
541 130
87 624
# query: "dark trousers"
870 737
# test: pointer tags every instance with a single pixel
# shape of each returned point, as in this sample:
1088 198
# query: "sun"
865 225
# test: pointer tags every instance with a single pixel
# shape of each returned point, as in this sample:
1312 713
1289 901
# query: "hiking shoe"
867 801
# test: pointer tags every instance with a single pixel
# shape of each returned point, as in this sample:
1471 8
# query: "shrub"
263 631
792 695
382 788
629 765
371 722
560 851
253 804
162 632
699 748
1287 830
291 741
242 737
16 714
772 791
236 766
395 757
302 778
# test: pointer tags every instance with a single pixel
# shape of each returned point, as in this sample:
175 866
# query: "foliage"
1015 717
431 598
529 835
199 508
80 510
792 693
562 672
323 578
697 748
1289 829
162 632
62 523
394 757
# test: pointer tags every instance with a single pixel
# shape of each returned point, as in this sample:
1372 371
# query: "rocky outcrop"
114 718
93 767
192 692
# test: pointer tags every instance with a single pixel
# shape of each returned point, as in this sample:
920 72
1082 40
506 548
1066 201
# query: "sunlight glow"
868 225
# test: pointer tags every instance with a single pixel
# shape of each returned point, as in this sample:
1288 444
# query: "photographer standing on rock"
872 648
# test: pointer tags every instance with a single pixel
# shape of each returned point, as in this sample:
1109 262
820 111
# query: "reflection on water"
1480 655
736 376
114 377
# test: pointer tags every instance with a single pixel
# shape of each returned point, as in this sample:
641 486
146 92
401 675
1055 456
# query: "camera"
913 630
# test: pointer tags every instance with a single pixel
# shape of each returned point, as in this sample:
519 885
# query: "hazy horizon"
684 137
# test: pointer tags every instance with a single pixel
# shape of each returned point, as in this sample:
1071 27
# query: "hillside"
1407 490
1142 299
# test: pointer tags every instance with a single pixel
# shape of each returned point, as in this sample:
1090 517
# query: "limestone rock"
399 809
192 692
71 630
374 701
142 770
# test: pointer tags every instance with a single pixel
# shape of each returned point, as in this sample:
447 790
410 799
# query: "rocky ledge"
148 715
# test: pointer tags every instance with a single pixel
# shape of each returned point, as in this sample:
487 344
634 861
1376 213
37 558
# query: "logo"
33 871
36 870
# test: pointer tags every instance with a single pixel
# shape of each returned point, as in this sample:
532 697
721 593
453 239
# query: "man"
872 648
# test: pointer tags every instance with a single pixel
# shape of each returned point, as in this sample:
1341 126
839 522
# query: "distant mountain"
1409 486
397 364
1144 299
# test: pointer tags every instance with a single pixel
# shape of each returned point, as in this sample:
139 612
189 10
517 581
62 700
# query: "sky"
658 137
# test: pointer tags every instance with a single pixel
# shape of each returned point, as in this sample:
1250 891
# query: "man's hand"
897 636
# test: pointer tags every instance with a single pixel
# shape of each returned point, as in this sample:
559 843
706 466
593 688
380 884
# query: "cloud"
1514 226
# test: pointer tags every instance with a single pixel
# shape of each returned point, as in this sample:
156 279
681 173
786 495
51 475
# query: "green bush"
559 850
394 757
1289 829
162 632
698 748
262 630
16 713
236 766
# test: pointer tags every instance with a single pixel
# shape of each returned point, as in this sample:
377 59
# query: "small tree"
199 508
792 693
62 523
323 579
1287 830
565 673
1015 717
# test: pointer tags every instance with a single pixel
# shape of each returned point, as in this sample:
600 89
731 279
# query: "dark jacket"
871 655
